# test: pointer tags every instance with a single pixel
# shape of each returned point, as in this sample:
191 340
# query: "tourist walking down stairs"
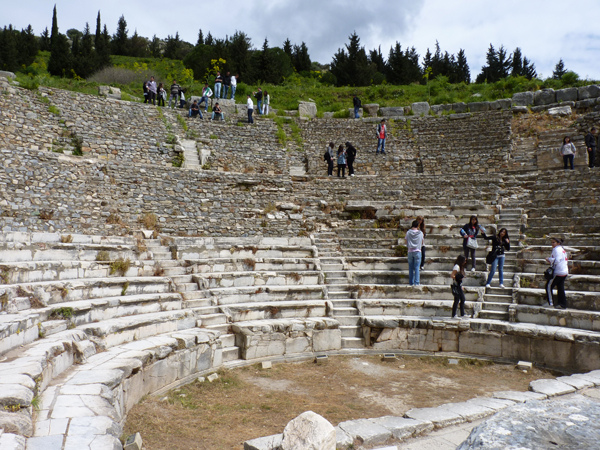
559 263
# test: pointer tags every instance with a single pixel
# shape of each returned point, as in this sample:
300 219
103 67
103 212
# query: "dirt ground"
251 402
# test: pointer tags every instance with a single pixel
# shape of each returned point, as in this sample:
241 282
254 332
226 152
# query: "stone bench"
232 295
538 266
399 277
412 307
25 239
573 282
582 320
212 265
581 300
279 337
69 252
423 292
275 310
256 278
381 263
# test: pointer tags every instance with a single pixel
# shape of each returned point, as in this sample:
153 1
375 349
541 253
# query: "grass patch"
52 109
102 255
120 266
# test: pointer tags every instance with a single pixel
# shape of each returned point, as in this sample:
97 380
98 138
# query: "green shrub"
120 266
341 114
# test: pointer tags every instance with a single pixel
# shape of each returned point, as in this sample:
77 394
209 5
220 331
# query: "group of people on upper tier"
345 156
568 150
415 243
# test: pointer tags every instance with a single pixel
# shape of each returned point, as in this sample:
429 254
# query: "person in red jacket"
381 135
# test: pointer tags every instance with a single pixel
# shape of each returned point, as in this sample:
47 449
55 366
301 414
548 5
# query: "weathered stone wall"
240 148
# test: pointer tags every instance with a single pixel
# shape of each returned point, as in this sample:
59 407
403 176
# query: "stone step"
348 320
346 302
202 311
337 281
228 340
212 319
493 315
194 295
331 267
494 306
50 327
230 353
222 328
174 271
182 279
186 287
351 331
334 273
161 256
353 342
344 311
498 298
197 303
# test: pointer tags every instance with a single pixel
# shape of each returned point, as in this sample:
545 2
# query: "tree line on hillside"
80 54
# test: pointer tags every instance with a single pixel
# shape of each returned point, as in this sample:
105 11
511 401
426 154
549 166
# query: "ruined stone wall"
432 145
240 148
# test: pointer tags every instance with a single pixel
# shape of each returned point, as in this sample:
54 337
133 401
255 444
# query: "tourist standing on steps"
351 156
266 103
152 91
175 88
421 221
414 242
560 262
181 99
250 104
590 143
458 274
568 150
329 157
469 233
162 94
356 103
234 81
341 161
259 96
226 84
145 88
218 84
500 243
206 93
381 135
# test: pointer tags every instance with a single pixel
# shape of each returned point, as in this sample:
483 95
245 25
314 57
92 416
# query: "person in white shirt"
414 242
234 81
560 262
250 104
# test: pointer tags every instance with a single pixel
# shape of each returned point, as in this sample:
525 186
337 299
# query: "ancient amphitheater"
123 275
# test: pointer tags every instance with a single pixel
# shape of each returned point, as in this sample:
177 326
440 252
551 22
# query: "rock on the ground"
309 431
307 109
371 109
568 422
560 111
420 108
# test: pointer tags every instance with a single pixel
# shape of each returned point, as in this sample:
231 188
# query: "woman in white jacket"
560 262
568 151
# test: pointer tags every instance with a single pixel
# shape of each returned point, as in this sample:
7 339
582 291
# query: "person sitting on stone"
195 110
217 112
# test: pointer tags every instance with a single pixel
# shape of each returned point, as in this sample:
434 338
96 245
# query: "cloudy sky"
546 30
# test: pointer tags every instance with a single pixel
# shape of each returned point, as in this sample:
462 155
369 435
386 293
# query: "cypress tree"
60 62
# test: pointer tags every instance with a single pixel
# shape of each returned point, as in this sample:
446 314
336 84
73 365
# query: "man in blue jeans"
356 103
414 242
381 135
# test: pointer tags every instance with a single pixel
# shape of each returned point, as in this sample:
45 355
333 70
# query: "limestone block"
480 344
327 340
133 442
371 109
550 387
440 417
420 108
587 92
264 443
42 442
492 403
519 397
402 427
18 422
522 99
566 95
544 97
560 111
366 431
392 111
307 109
309 431
459 107
6 74
478 106
469 411
519 109
501 104
297 345
15 394
344 440
576 382
99 425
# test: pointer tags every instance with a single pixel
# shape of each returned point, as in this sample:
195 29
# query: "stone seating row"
421 421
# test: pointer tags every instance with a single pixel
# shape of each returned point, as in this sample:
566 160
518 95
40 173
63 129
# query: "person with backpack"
458 274
469 234
341 161
329 157
351 156
162 95
559 262
145 88
381 135
357 104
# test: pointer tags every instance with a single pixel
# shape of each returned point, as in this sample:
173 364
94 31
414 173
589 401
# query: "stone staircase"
496 300
195 299
190 155
339 289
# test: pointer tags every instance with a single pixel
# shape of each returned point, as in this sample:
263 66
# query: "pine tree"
120 42
351 66
376 58
154 47
517 63
559 70
45 40
463 74
529 69
85 61
208 40
138 46
200 38
287 48
28 47
9 58
60 52
300 58
102 45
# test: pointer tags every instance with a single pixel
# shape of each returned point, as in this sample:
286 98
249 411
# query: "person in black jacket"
329 157
350 157
500 243
357 105
470 230
590 143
